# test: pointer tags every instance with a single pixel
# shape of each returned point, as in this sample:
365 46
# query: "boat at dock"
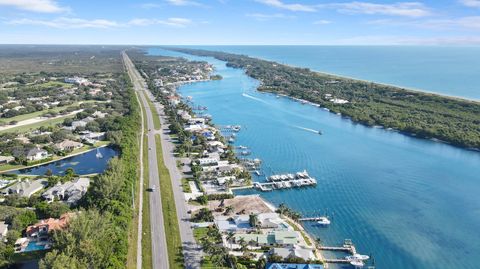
358 257
287 181
323 221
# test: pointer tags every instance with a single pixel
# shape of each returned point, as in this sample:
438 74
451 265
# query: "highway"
159 242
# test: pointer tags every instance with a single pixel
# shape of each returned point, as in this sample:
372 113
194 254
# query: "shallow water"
411 203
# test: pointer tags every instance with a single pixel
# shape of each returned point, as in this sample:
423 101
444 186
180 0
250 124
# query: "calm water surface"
453 71
412 203
83 164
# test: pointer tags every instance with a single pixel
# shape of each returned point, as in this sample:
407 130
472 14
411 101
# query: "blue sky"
256 22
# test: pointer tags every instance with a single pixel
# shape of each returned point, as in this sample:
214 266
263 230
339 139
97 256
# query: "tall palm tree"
229 237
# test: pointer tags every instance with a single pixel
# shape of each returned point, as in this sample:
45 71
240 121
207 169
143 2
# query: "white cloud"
174 22
471 22
291 7
266 17
67 23
470 3
406 9
42 6
183 3
150 5
322 22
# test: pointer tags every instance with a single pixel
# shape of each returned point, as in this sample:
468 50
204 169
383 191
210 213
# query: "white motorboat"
357 263
358 257
323 221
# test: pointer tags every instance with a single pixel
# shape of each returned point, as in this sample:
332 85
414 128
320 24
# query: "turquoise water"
451 71
34 246
83 164
411 203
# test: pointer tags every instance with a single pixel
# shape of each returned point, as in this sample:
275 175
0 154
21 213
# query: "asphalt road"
159 242
191 251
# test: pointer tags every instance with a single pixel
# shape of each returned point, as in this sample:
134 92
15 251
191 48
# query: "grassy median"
169 210
156 117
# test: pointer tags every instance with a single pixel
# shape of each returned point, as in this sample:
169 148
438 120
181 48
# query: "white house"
6 159
37 154
68 145
27 187
70 192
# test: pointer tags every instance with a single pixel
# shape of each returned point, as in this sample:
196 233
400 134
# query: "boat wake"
253 97
306 129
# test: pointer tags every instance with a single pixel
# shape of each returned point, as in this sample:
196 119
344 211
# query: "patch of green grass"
51 84
156 117
147 233
33 126
172 229
186 186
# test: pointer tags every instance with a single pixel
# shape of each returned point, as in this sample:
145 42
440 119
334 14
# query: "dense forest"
425 115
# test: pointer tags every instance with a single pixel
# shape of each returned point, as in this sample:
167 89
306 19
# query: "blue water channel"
83 164
412 203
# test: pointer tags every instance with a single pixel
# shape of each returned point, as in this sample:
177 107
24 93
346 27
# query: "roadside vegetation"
172 229
424 115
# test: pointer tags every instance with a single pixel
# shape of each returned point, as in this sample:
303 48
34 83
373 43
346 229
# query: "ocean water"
453 71
408 202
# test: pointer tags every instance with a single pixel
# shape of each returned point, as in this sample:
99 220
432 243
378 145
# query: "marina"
286 181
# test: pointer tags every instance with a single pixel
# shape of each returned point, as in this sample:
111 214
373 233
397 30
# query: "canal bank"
393 195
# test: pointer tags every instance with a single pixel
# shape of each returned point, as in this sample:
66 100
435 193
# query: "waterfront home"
222 180
294 252
184 114
40 230
207 161
37 154
235 224
79 123
216 146
6 159
5 182
293 266
193 121
87 135
271 221
272 238
194 128
70 192
26 187
68 145
3 231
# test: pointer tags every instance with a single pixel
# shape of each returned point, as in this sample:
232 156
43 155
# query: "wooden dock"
287 184
336 261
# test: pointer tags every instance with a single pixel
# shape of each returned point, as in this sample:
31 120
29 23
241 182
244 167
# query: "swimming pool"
36 246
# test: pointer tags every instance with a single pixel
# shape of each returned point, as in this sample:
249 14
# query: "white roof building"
27 187
71 191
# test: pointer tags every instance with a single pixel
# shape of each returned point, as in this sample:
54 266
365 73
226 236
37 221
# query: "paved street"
159 243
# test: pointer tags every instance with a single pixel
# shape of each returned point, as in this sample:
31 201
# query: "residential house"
68 145
37 154
26 187
273 238
239 223
40 230
271 221
3 231
70 192
76 80
294 252
6 159
293 266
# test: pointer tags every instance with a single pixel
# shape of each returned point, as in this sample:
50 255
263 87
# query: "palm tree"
228 210
229 237
253 220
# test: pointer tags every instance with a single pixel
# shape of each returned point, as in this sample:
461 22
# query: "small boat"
357 263
236 128
242 147
245 153
231 140
99 155
320 132
257 172
358 257
323 221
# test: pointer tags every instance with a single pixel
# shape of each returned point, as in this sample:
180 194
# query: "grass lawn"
186 186
51 84
147 232
39 113
172 229
33 126
156 117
